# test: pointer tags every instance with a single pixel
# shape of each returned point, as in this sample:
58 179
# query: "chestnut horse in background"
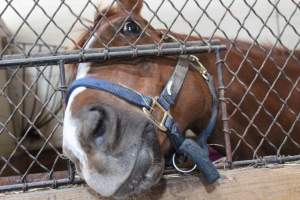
118 150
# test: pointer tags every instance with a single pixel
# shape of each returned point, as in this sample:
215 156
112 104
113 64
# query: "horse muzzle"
121 151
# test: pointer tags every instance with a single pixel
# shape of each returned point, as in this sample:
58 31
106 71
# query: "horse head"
115 146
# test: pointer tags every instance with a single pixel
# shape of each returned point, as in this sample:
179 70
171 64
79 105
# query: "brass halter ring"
179 169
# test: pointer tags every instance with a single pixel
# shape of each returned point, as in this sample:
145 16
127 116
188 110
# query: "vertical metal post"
63 85
224 117
63 88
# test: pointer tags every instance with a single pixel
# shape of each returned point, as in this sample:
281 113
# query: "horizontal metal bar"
262 161
40 184
102 54
66 181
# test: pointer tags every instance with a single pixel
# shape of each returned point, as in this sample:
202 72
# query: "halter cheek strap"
195 150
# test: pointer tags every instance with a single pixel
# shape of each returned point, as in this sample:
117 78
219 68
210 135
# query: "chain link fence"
257 87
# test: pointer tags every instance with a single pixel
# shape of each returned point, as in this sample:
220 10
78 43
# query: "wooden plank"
280 183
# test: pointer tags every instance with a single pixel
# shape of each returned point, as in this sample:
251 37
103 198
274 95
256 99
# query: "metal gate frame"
62 58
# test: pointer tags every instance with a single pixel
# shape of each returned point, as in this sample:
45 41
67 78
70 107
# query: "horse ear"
134 6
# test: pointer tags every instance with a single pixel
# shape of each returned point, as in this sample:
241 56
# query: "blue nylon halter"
195 150
122 92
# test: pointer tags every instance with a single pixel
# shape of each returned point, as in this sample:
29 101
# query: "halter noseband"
195 150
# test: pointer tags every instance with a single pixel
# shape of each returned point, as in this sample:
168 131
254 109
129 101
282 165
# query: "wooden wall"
274 183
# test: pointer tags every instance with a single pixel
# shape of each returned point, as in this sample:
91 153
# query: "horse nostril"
100 126
100 129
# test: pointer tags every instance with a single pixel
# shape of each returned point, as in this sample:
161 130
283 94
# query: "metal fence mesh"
266 117
31 97
31 100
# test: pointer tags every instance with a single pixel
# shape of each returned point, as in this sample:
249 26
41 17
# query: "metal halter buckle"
199 67
149 113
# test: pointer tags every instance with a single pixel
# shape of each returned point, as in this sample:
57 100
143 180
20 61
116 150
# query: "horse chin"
127 176
138 182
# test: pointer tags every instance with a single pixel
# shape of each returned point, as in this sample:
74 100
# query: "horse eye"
130 27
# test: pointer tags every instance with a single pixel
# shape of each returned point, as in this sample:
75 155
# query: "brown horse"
118 150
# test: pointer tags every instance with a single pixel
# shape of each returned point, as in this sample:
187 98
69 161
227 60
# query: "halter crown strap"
202 139
170 92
